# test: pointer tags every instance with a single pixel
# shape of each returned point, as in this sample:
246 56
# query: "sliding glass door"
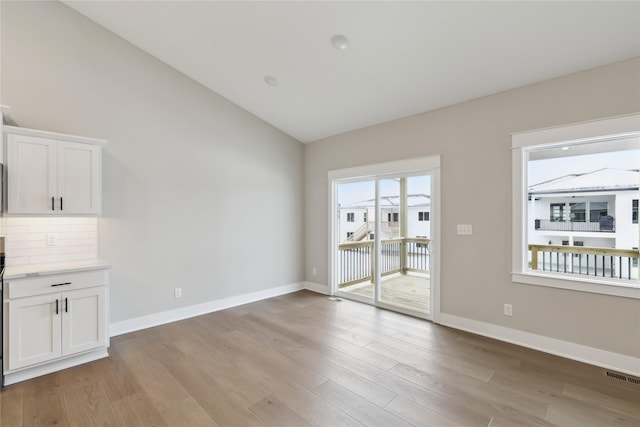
383 241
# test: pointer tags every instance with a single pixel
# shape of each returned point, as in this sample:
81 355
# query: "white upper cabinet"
52 174
79 177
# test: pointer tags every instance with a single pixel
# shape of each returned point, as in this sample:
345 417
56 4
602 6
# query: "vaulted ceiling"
402 58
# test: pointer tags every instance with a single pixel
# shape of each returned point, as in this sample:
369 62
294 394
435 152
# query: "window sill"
583 284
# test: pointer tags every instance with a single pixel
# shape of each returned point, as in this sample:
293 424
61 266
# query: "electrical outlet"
177 292
508 310
52 239
314 271
465 229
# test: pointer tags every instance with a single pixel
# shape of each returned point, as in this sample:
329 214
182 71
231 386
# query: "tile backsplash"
32 240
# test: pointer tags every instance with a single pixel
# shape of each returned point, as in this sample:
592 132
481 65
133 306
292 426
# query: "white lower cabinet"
48 327
34 331
83 320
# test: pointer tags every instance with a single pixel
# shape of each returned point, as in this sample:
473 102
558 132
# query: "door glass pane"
356 230
405 242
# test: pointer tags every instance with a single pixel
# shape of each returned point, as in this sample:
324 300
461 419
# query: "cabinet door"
34 330
83 320
79 178
31 170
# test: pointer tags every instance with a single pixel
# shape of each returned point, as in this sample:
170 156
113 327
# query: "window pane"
557 212
597 210
355 199
574 195
578 212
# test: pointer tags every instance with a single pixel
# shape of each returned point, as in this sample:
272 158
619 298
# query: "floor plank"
358 407
11 403
275 413
43 402
137 410
87 405
417 414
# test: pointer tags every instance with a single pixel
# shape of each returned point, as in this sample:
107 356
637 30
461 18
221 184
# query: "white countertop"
30 270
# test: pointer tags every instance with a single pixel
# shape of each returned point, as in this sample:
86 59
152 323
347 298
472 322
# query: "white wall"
197 193
474 140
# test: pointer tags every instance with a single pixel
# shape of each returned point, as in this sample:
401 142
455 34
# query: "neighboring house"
357 220
597 209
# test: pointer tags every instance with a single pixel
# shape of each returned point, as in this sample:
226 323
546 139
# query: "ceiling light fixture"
271 81
565 148
340 42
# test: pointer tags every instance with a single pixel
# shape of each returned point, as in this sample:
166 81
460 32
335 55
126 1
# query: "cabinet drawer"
41 285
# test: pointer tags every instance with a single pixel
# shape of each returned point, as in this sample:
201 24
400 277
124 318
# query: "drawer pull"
66 305
57 306
61 284
53 208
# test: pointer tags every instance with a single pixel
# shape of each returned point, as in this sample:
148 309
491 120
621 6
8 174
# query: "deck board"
406 291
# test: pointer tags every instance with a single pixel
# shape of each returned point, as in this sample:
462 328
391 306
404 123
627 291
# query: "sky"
544 170
358 191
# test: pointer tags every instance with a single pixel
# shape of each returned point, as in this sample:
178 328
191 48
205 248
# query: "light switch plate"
465 229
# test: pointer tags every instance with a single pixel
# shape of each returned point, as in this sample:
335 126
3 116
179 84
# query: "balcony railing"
592 261
545 224
400 255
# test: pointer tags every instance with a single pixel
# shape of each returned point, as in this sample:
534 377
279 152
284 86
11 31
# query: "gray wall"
474 141
197 192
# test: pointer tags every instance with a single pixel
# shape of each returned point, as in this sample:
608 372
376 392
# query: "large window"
583 177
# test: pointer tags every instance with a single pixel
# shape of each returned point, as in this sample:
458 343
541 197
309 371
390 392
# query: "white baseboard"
316 287
12 377
143 322
593 356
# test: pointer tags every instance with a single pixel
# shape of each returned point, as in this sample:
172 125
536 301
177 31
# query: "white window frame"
593 131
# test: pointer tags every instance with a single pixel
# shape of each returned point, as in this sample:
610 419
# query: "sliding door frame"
429 165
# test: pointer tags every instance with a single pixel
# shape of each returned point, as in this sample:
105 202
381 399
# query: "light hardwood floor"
301 359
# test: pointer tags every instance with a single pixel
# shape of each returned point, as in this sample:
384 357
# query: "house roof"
606 179
413 200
